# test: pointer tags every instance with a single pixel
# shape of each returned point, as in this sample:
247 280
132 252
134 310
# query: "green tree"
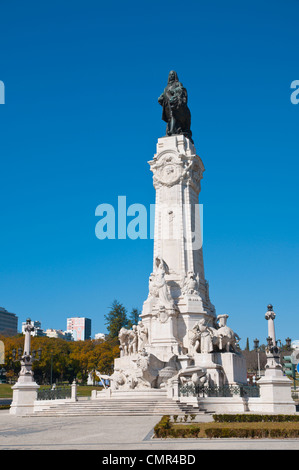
134 317
62 360
116 319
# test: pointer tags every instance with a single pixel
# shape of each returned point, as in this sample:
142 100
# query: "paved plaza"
111 433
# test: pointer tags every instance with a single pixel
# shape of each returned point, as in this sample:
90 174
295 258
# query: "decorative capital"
176 162
270 315
28 327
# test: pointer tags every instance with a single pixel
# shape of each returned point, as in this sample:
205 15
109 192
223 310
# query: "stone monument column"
270 316
275 388
25 390
182 298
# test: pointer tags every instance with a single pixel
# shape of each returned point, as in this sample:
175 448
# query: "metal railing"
57 393
188 390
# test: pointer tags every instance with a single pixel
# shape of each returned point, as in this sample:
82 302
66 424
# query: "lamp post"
27 357
269 343
51 369
270 316
275 389
256 347
2 376
25 390
288 342
273 366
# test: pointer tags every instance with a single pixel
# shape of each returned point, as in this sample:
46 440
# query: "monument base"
24 396
276 396
142 371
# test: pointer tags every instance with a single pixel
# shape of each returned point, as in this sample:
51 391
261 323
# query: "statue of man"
175 110
133 340
165 298
204 337
142 335
190 285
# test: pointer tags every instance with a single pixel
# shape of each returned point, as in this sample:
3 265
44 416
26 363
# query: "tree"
116 319
251 358
62 360
134 317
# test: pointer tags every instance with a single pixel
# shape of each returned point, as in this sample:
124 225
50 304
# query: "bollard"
74 391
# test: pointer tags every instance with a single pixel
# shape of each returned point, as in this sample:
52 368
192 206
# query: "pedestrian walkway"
111 433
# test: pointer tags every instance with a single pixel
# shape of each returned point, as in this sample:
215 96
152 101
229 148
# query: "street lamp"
39 353
25 390
51 370
256 347
2 376
26 357
269 342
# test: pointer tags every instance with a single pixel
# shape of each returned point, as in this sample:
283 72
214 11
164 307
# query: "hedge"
165 429
252 433
244 418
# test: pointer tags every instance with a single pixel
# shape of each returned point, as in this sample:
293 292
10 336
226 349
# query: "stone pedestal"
234 367
275 395
24 396
214 371
275 388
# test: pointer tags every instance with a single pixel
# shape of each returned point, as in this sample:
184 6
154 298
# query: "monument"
179 338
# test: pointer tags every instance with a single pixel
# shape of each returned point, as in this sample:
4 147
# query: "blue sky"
81 121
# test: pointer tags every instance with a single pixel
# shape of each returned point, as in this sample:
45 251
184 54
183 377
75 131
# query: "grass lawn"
5 391
82 390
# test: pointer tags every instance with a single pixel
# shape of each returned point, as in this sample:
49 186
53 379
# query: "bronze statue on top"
175 110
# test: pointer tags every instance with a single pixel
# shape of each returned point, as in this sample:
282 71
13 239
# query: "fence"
57 393
188 390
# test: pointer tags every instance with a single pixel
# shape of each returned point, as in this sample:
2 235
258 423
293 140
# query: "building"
52 333
8 322
80 327
38 331
68 336
102 336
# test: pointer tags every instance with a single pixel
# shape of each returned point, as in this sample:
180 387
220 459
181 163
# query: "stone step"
147 394
118 407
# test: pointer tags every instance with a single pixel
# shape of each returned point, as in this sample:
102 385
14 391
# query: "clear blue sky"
81 121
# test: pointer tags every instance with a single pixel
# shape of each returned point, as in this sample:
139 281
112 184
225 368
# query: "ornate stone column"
270 316
173 308
25 390
275 388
